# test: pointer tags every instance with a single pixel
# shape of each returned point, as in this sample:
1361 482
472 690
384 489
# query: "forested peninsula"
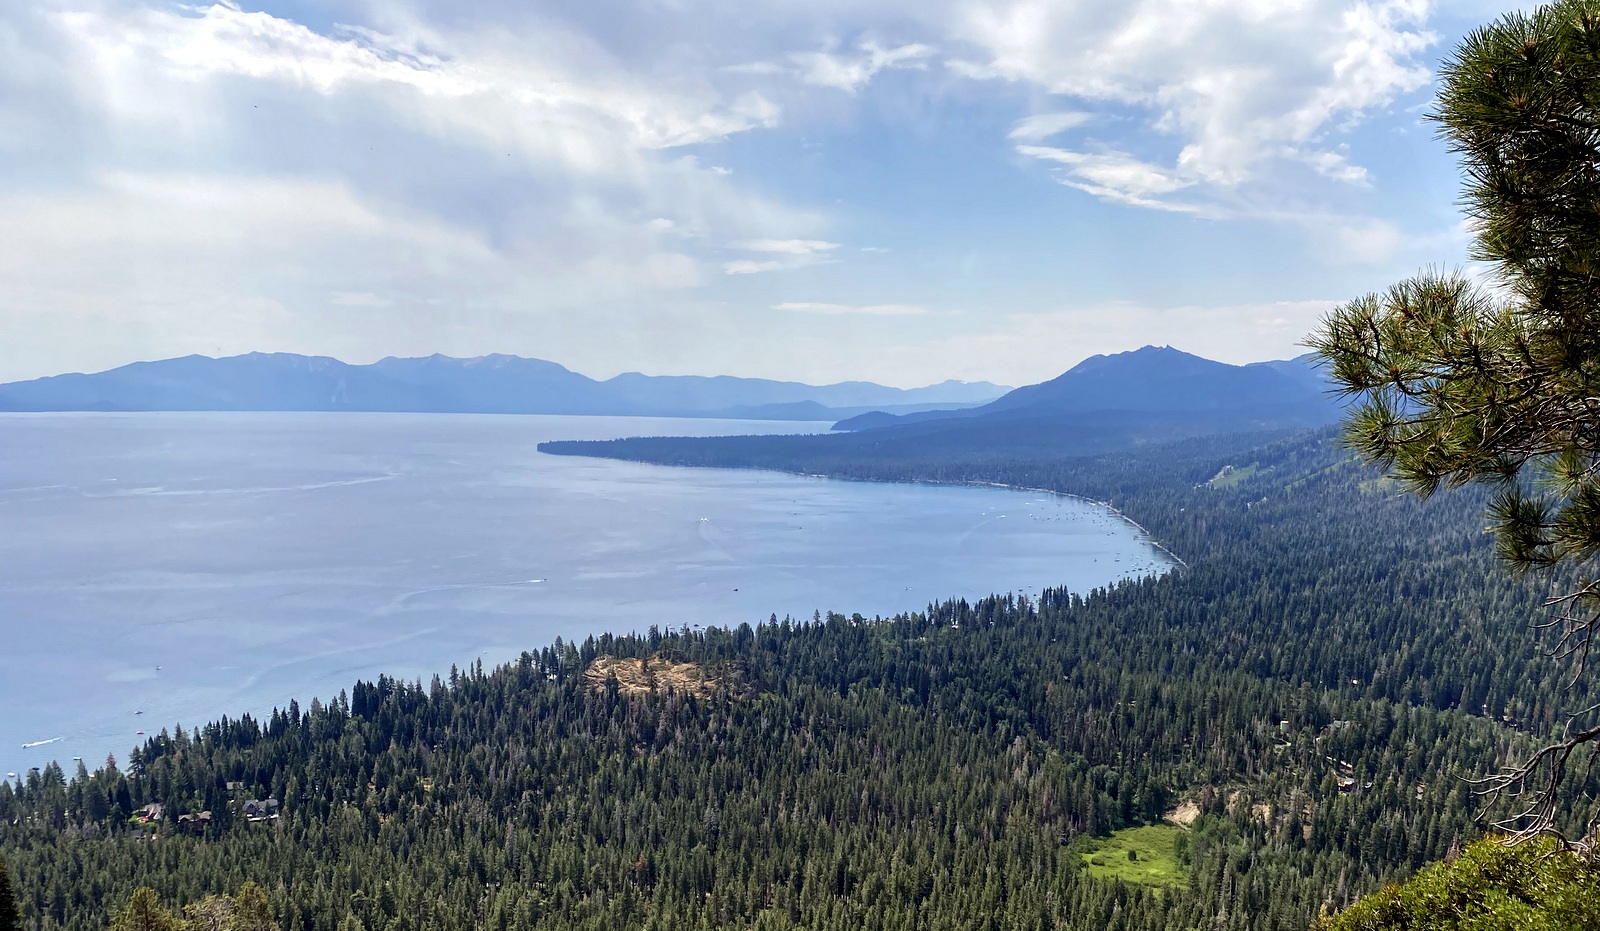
1307 699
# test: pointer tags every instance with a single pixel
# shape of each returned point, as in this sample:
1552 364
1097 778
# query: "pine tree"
10 916
1462 383
251 910
144 912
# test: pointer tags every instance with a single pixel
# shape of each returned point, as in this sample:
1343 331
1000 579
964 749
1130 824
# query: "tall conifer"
10 915
1458 382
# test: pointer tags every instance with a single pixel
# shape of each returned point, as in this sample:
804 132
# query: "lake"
163 568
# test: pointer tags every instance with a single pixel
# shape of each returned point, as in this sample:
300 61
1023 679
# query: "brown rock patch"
640 676
1187 812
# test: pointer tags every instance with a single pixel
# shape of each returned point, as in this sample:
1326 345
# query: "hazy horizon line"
606 378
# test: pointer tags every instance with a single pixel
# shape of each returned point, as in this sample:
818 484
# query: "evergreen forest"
1309 695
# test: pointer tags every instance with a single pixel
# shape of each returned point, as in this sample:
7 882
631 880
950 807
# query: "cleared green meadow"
1155 860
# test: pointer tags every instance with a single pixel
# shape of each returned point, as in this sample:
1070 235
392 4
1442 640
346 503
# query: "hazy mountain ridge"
1154 381
1105 404
493 384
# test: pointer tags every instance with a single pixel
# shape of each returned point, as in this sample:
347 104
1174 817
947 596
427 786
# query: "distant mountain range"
495 384
1149 394
1104 404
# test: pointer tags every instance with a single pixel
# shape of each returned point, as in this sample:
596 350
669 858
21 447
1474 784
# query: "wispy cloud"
1336 165
786 246
869 310
462 85
1115 176
1042 126
850 71
789 253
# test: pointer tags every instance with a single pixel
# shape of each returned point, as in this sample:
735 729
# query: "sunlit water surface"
162 568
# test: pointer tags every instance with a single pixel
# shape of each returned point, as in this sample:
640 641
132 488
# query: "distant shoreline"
1145 534
1105 504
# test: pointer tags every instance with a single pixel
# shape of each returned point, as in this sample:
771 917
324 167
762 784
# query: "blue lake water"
163 568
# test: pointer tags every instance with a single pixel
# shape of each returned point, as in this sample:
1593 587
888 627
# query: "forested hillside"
1318 682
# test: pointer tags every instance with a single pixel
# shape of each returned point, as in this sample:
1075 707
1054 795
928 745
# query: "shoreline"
1143 533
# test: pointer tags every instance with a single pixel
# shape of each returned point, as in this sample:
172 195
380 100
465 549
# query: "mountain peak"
1163 378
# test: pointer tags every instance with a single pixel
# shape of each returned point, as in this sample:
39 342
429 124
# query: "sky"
902 191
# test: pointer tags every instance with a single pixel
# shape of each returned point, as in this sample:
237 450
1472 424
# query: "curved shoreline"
1143 533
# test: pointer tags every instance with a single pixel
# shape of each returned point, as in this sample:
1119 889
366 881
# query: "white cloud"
851 71
848 71
1336 165
753 267
868 310
543 177
792 253
460 86
1236 85
1042 126
1114 176
493 116
211 178
805 247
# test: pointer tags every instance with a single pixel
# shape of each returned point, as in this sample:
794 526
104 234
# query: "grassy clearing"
1156 862
1232 475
